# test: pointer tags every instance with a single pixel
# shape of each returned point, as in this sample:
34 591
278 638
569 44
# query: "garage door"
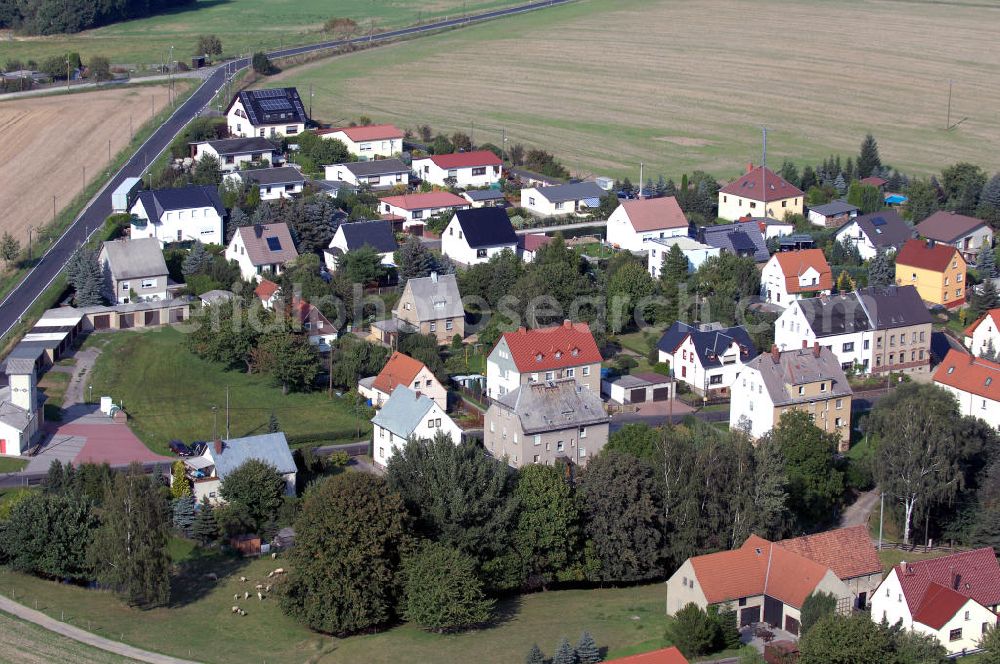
177 315
102 322
637 395
773 610
661 393
151 318
749 616
791 625
125 321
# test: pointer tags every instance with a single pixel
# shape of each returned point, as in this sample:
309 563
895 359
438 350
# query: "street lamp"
67 74
91 398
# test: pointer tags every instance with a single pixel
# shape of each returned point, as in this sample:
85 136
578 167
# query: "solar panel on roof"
276 105
274 244
878 221
269 93
741 241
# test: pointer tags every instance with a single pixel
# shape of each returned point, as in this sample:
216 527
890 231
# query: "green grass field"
680 86
200 626
169 393
26 643
240 24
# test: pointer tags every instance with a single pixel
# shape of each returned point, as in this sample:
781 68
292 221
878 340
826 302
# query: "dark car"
180 449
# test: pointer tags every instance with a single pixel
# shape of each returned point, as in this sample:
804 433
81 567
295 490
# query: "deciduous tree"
815 486
259 486
50 535
442 591
10 247
547 535
816 605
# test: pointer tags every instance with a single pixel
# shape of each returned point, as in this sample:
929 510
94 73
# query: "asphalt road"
53 261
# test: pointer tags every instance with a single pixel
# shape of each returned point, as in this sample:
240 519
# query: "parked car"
180 449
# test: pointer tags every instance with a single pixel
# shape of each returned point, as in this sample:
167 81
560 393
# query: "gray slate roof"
576 191
711 341
273 106
866 309
742 239
484 195
376 234
885 229
403 412
364 169
270 448
554 406
266 176
236 146
13 416
134 259
436 297
19 366
157 201
798 367
834 207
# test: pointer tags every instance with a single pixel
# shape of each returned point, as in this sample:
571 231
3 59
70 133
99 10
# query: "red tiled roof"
367 133
938 606
534 241
921 254
399 370
847 551
426 201
973 574
969 373
266 289
748 185
873 180
993 314
669 655
795 263
466 159
306 312
542 349
653 214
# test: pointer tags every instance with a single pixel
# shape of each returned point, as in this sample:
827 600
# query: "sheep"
274 556
280 570
236 597
212 576
260 597
242 612
259 586
267 588
270 574
246 595
243 579
236 609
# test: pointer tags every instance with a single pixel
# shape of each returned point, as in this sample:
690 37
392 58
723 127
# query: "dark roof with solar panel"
273 106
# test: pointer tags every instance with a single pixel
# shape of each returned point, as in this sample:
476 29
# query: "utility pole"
881 514
131 132
109 151
53 208
67 75
329 388
227 412
310 101
640 180
29 243
503 143
84 176
215 422
947 124
763 173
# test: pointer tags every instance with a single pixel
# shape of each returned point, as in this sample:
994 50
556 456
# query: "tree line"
50 17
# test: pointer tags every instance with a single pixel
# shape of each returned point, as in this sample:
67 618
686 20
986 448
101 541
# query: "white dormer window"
558 354
538 357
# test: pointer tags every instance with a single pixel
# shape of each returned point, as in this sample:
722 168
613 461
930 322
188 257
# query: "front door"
772 611
862 600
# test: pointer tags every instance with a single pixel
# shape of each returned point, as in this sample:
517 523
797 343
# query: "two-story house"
975 382
479 168
430 305
634 223
792 275
804 379
358 234
546 421
872 330
271 183
409 212
982 338
695 252
967 234
270 112
474 236
260 249
544 354
377 173
879 231
760 192
952 598
316 327
405 415
184 214
401 369
936 270
571 199
134 270
235 153
21 406
368 142
707 357
739 239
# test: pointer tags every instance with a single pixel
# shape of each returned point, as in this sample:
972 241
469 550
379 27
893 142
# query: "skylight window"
274 244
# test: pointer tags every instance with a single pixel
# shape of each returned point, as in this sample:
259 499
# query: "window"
406 306
537 440
822 387
958 279
559 206
743 601
453 173
955 634
966 615
448 324
418 214
548 375
571 372
986 626
125 286
583 451
848 347
839 404
433 327
867 344
373 179
586 371
922 335
149 283
892 340
836 422
802 390
480 170
437 422
291 130
784 203
480 253
715 380
534 459
560 446
430 424
583 432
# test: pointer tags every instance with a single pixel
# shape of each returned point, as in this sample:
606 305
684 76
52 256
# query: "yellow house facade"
760 192
937 271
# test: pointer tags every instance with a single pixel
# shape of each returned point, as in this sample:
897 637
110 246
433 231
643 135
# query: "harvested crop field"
26 643
686 85
47 142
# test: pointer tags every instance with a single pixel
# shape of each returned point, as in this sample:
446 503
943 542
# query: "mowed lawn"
26 643
682 86
240 24
170 393
201 626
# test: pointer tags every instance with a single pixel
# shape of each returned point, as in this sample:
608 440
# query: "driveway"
858 512
653 413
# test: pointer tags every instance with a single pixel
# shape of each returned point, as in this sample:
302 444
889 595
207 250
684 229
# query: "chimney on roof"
749 166
218 446
930 243
434 277
775 353
567 323
815 349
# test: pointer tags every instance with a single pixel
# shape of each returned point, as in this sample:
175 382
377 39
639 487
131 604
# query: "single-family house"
406 415
268 293
975 382
760 192
805 379
377 173
411 211
967 234
235 153
272 183
401 369
314 325
432 305
178 215
634 223
478 168
952 598
20 407
668 655
530 179
792 275
833 214
545 422
357 234
575 198
936 270
134 270
222 457
982 338
768 582
695 252
260 249
739 238
269 112
879 231
544 354
369 142
874 181
707 357
474 236
485 198
872 330
529 244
